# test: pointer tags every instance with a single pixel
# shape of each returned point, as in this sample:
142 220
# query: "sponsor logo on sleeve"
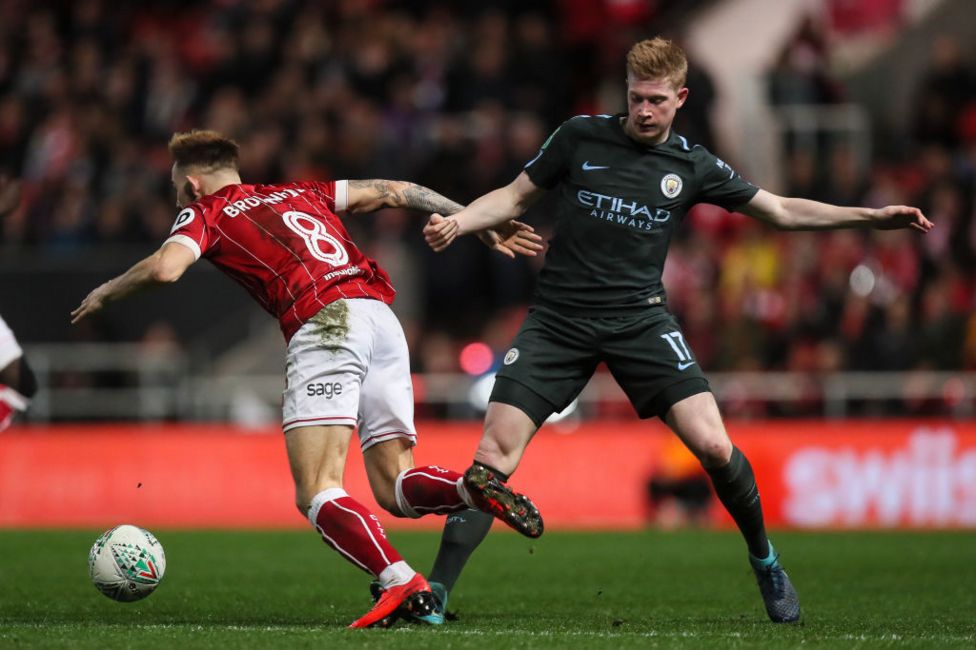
182 219
511 357
724 166
671 185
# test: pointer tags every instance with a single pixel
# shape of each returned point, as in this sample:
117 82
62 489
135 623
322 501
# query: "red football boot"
391 599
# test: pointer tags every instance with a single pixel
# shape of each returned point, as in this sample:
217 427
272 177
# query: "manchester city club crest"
671 185
511 357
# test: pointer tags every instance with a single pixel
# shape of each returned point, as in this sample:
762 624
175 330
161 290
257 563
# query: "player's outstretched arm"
162 267
509 238
373 194
489 211
803 214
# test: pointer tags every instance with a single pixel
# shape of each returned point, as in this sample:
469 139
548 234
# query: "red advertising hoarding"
850 474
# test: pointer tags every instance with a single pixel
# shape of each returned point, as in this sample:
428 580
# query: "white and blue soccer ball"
126 563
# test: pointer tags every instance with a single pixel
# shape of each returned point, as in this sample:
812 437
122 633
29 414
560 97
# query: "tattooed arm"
370 195
510 238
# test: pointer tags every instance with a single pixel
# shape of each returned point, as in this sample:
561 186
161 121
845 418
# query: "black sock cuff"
737 460
500 474
731 471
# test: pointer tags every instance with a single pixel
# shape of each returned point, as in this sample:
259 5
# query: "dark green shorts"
554 356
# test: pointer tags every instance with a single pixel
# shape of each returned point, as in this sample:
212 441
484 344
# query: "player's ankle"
396 574
765 561
500 475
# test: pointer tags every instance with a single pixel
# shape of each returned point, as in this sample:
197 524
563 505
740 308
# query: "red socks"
352 530
348 527
430 489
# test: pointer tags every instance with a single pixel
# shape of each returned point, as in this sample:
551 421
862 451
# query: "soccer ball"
126 563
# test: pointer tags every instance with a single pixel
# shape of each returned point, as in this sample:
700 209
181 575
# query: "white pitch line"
501 633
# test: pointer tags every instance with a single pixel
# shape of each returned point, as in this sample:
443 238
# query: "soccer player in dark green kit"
624 183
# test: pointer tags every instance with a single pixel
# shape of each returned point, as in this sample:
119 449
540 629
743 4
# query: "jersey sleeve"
720 184
335 194
553 159
191 230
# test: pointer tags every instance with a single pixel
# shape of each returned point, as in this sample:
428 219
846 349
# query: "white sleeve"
341 195
9 348
185 241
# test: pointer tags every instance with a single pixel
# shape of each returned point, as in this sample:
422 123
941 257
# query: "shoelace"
774 572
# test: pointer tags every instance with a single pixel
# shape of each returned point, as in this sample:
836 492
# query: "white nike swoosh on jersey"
685 366
588 167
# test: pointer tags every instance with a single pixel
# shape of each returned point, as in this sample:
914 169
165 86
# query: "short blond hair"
207 150
658 58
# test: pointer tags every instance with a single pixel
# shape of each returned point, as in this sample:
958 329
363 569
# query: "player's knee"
714 452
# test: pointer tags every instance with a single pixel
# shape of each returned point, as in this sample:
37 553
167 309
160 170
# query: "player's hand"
440 232
92 303
893 217
512 238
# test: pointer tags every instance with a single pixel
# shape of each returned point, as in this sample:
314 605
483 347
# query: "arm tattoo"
421 198
382 190
402 194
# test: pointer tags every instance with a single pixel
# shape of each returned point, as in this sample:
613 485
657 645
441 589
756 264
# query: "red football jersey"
285 245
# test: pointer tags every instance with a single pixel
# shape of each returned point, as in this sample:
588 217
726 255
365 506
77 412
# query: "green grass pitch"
567 590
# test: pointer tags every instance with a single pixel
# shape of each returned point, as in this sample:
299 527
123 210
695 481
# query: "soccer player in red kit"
17 381
347 360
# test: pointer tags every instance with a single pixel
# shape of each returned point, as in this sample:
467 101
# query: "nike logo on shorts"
587 167
685 366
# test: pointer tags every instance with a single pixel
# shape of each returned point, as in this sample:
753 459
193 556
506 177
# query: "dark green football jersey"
617 203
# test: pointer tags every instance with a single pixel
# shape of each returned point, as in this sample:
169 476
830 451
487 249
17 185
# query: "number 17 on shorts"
681 351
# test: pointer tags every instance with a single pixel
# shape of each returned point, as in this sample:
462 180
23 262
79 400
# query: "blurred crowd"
458 96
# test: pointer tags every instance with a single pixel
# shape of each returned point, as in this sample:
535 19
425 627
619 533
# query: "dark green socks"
735 485
463 531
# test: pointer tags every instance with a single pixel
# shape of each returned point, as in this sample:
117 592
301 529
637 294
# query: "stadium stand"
458 96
